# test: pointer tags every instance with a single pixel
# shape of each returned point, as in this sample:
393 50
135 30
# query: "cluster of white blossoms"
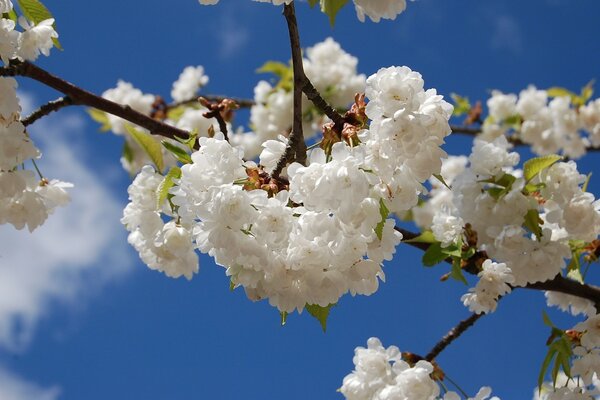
323 230
565 388
28 43
166 247
374 9
549 125
334 74
185 88
525 225
382 374
25 200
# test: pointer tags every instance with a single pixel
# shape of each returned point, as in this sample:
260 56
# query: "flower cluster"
374 9
28 43
550 122
322 230
24 200
526 223
382 374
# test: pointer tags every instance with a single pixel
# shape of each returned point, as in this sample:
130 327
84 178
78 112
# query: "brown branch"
46 109
80 96
296 148
452 335
241 102
313 95
557 284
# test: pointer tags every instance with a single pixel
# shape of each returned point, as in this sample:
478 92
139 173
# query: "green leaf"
36 12
434 255
284 316
424 237
384 212
101 118
532 167
461 104
331 8
180 154
533 223
587 182
587 92
560 92
12 15
457 273
162 191
545 364
320 313
150 145
440 178
127 152
547 320
275 67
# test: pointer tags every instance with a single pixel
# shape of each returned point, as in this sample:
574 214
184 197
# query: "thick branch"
46 109
313 95
80 96
557 284
452 335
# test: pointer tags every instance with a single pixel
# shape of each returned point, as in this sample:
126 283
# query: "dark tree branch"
557 284
46 109
80 96
296 148
313 95
452 335
242 103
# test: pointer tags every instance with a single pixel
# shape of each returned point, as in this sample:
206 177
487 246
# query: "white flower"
15 146
9 40
190 80
568 303
36 39
494 280
5 6
378 9
447 228
502 106
9 102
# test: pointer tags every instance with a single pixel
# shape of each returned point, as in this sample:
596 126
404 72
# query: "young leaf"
12 14
179 153
532 167
127 152
545 364
440 178
162 191
101 118
284 316
457 273
275 67
150 145
533 223
384 212
36 12
424 237
331 8
434 255
560 92
461 104
320 313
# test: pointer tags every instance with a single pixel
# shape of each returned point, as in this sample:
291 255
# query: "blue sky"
82 318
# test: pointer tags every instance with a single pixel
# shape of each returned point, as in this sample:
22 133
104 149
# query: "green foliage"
12 14
577 99
435 254
384 212
461 104
283 316
559 351
180 154
36 12
331 8
533 223
127 152
532 167
162 191
284 72
320 313
424 237
501 186
101 118
440 178
150 145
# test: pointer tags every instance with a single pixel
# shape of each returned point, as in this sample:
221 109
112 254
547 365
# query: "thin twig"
452 335
241 102
46 109
296 148
313 95
80 96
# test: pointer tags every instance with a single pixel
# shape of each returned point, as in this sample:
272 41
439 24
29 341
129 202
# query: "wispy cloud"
77 250
230 34
506 34
13 387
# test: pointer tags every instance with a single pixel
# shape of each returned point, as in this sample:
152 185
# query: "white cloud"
13 387
507 34
230 34
77 250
